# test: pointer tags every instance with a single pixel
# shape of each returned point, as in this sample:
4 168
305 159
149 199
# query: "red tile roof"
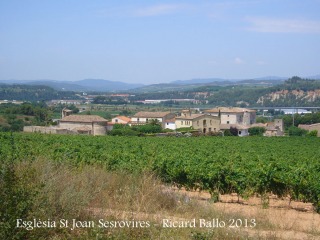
124 118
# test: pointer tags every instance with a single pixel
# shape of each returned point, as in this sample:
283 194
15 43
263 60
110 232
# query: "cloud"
156 10
272 25
239 61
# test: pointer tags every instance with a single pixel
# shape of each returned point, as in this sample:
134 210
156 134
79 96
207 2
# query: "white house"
170 124
141 118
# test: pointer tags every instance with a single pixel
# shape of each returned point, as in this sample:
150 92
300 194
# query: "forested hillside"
33 93
293 92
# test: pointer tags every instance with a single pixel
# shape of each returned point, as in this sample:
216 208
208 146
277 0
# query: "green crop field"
252 165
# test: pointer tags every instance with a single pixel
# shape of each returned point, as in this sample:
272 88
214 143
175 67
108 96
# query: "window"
198 123
210 122
116 120
228 115
167 123
228 122
147 120
138 119
239 132
181 122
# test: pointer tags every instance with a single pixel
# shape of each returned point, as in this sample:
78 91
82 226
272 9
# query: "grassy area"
60 192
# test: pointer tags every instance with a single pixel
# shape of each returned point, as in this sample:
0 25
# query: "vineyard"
247 166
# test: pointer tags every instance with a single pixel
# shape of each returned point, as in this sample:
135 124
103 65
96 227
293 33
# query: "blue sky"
158 41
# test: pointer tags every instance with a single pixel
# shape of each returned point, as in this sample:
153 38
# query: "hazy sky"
158 41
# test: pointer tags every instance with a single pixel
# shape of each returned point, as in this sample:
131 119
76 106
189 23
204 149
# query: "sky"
146 41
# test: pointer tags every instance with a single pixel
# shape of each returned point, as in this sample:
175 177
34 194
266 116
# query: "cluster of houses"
212 120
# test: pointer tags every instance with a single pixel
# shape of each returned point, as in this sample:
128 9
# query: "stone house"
273 129
84 124
234 115
203 122
311 127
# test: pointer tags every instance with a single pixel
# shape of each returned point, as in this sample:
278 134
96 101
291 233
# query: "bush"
184 129
313 133
214 134
123 132
227 133
120 126
295 131
256 131
148 128
231 132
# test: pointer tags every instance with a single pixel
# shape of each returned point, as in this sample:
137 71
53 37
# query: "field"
153 178
220 165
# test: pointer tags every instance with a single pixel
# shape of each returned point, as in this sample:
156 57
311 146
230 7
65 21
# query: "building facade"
142 118
84 124
202 122
233 115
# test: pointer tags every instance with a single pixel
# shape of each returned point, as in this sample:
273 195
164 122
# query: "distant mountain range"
221 80
101 85
196 83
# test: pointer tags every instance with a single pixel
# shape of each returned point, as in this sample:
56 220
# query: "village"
215 120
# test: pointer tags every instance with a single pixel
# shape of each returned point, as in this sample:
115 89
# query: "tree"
234 131
295 131
256 131
154 122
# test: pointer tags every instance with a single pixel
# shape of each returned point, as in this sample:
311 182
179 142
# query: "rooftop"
229 110
151 114
172 120
83 118
190 117
123 118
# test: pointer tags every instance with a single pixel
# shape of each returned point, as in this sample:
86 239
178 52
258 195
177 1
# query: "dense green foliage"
309 118
283 166
313 133
33 93
16 116
256 131
126 130
295 131
16 198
